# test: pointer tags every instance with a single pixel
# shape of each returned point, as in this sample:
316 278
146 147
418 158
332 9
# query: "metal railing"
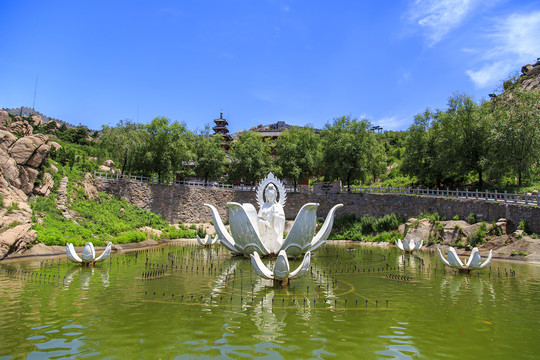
504 197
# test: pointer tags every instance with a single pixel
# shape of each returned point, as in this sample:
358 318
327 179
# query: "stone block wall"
186 204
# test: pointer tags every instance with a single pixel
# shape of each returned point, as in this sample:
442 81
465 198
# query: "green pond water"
185 301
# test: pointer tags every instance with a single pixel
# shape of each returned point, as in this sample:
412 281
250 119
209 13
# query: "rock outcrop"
22 155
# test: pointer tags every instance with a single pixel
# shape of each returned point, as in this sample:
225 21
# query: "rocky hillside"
22 155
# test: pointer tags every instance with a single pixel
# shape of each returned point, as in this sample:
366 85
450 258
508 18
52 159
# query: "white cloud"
512 44
393 123
438 17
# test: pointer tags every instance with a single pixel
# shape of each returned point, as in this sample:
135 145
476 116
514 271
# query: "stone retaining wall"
183 203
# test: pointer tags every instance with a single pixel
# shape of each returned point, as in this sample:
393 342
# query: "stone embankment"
22 154
186 204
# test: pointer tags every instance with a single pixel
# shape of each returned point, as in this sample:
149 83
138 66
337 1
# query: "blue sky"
261 61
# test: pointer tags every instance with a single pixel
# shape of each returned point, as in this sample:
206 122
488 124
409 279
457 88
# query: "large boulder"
24 148
16 239
21 127
39 156
36 120
109 163
6 140
10 171
5 120
28 176
56 146
90 186
46 186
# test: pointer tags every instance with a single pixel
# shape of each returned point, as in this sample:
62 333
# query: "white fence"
513 198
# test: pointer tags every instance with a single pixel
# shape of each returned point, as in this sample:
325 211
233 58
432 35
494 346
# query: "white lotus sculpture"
88 255
207 241
282 272
262 232
474 263
408 245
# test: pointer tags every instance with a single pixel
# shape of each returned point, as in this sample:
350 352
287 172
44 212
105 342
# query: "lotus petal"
406 244
214 240
247 238
259 267
71 254
299 238
454 259
225 238
486 263
399 244
88 253
325 230
251 212
303 268
281 268
200 241
443 259
475 260
105 253
418 245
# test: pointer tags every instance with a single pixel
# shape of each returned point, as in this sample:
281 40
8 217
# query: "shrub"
523 253
387 223
174 233
456 217
513 253
131 237
1 201
471 219
523 226
13 206
433 217
460 244
478 237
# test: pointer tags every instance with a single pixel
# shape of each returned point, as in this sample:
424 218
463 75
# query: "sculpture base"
281 283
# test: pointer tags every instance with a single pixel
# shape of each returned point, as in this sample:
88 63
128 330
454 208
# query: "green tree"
250 157
123 143
463 138
210 157
346 147
298 153
165 150
515 136
421 156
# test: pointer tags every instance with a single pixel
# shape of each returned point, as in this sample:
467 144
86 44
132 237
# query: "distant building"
221 129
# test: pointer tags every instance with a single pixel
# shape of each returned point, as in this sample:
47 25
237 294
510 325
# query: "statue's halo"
271 179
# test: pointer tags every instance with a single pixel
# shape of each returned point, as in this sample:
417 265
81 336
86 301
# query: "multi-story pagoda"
221 128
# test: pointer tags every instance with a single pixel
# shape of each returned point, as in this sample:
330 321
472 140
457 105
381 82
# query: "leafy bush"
1 201
478 237
456 217
433 217
13 206
182 233
131 237
350 228
472 219
523 226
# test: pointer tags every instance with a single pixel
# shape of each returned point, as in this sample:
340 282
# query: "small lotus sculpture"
282 272
408 245
474 263
207 241
88 255
262 232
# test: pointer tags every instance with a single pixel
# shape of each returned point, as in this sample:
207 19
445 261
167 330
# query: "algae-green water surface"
190 302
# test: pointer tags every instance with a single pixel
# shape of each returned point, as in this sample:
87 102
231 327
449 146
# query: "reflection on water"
205 303
84 274
401 345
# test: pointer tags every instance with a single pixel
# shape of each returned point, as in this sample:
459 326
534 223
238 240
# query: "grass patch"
366 228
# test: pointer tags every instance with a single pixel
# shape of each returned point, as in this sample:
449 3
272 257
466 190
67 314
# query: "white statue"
408 245
88 256
262 232
207 241
271 220
474 263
